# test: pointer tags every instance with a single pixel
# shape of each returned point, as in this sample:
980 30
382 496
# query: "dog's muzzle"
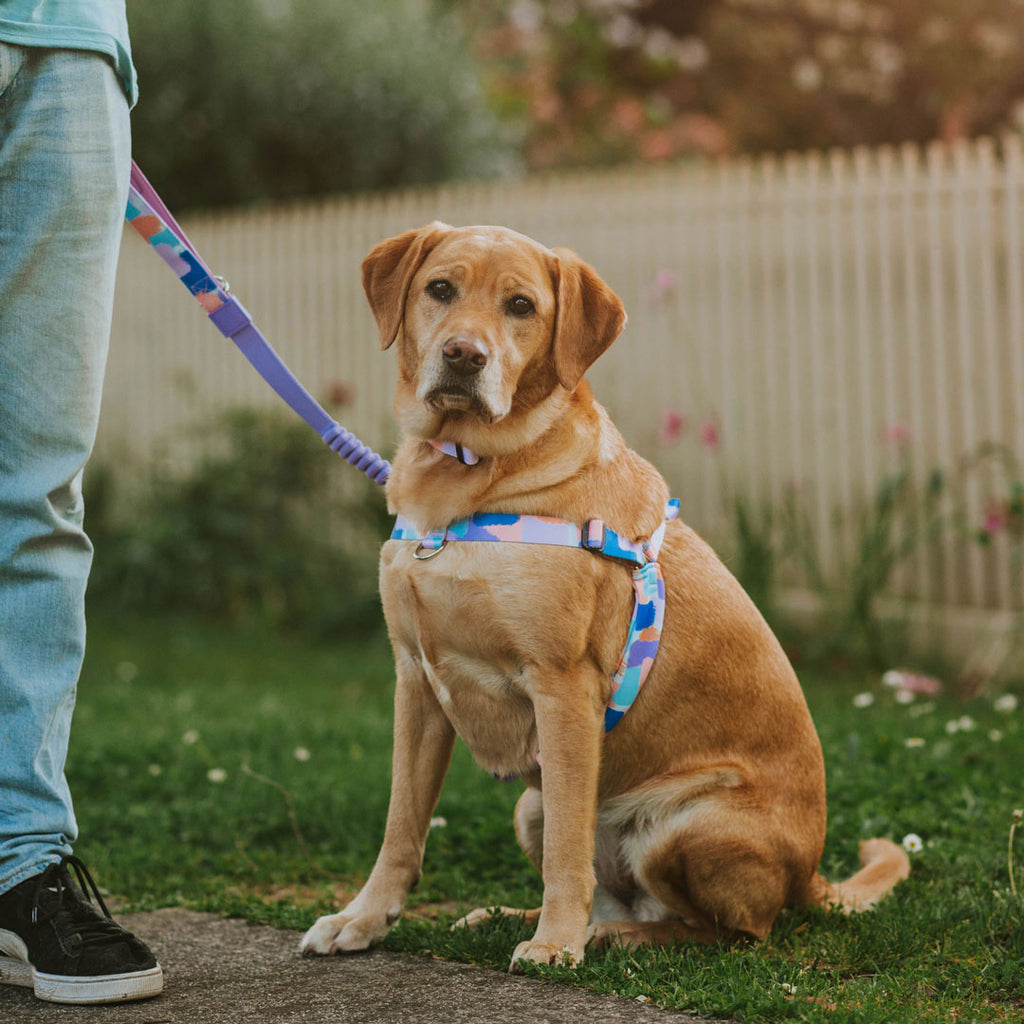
460 384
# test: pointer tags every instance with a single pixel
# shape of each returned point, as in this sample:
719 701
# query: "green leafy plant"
895 523
248 532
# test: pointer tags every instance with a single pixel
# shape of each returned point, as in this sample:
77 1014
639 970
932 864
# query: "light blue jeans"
64 165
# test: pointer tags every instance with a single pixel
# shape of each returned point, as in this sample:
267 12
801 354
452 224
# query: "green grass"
239 772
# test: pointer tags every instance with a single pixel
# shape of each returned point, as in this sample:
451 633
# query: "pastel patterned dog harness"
641 557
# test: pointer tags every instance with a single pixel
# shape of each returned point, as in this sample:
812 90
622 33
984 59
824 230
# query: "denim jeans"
64 168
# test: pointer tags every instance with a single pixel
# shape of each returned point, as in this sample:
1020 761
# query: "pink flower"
898 435
664 284
672 427
709 435
912 682
994 521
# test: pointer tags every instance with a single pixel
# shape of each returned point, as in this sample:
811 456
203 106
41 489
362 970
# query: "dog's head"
488 322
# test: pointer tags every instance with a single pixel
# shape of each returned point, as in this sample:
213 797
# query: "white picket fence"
823 316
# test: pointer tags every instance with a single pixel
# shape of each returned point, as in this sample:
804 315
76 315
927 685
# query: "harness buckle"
592 536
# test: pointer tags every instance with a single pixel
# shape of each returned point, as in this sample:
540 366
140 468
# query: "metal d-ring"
431 552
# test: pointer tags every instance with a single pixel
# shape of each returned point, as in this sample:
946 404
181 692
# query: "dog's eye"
443 291
519 305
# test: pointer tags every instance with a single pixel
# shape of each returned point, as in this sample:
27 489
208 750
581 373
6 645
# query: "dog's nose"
465 354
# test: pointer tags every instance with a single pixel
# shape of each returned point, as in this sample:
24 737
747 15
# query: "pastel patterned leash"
153 221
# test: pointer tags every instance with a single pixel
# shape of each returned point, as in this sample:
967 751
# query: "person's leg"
64 168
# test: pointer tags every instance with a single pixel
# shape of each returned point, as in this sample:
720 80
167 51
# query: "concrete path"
220 971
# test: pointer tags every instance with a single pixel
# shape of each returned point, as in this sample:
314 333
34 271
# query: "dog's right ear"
389 268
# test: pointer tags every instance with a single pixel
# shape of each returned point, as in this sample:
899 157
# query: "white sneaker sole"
60 988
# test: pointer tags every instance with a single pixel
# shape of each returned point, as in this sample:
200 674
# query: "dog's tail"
883 866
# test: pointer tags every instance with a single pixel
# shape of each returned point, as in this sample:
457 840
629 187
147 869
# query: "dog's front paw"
544 953
347 932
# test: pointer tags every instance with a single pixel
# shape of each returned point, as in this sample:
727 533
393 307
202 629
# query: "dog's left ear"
588 318
387 271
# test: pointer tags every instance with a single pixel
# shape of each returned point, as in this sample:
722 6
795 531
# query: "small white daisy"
438 822
905 697
1006 704
995 735
913 741
913 843
301 754
190 738
967 724
863 700
155 769
217 775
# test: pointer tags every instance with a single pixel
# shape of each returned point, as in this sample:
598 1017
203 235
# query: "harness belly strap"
641 557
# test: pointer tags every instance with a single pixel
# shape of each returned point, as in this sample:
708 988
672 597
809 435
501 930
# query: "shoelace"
94 927
86 885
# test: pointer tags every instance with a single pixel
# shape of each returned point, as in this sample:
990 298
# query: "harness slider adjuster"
592 536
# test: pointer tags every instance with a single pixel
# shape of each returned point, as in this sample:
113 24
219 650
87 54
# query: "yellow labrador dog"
701 813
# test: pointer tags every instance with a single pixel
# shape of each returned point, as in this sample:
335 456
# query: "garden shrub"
250 531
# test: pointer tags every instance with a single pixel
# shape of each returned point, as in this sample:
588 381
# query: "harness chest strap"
641 557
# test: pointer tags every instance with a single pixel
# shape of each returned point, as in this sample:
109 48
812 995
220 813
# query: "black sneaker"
56 942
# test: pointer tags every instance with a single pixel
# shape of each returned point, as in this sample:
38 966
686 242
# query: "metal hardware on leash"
431 552
149 216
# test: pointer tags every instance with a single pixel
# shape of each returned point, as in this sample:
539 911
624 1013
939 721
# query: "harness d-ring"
430 552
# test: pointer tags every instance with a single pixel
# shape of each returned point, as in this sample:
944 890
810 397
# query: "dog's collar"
456 451
648 584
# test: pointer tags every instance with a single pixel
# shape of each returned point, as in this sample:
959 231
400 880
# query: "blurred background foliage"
246 100
248 534
657 79
288 98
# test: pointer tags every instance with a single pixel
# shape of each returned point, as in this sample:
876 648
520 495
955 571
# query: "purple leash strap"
148 215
